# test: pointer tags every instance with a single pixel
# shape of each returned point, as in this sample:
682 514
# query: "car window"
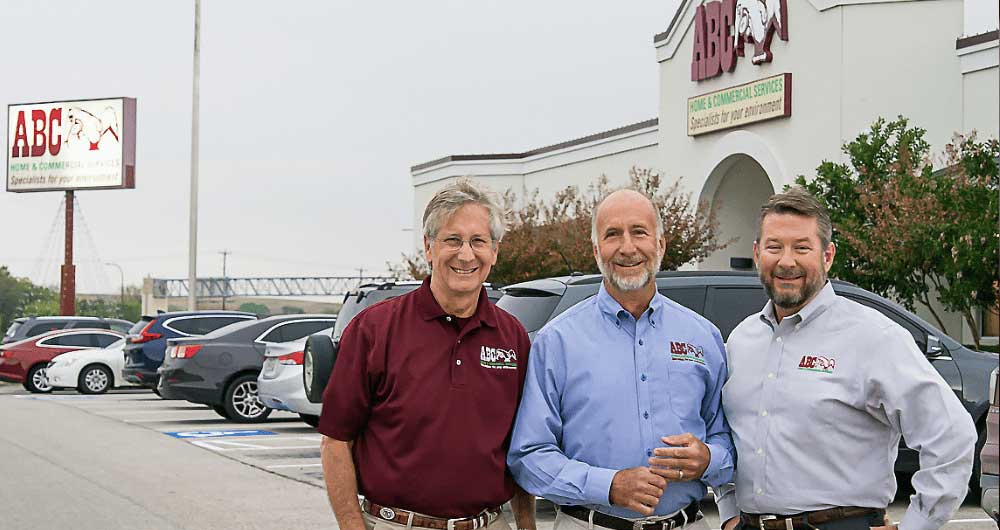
919 335
92 324
352 306
726 307
296 330
82 340
188 326
692 298
116 344
140 325
38 329
121 327
530 306
207 325
103 341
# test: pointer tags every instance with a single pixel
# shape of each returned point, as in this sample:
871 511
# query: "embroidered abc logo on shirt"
684 351
498 358
817 363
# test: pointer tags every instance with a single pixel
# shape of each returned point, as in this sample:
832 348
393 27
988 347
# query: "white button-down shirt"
817 404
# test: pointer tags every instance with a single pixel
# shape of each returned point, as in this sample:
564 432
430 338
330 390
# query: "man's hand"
686 459
637 489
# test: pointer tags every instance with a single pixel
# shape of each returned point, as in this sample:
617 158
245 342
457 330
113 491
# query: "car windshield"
531 307
12 329
140 325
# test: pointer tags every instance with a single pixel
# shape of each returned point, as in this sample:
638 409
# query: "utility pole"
122 275
225 281
67 284
193 222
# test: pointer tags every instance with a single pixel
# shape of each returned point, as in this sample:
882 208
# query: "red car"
25 361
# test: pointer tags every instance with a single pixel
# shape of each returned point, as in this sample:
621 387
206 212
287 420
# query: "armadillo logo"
722 29
497 358
817 363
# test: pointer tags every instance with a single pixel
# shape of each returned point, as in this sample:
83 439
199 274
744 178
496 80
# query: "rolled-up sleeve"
908 393
535 459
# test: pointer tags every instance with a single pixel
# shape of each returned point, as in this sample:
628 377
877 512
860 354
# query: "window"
13 329
38 329
74 340
919 335
187 326
532 307
726 307
121 326
692 298
207 325
103 341
296 330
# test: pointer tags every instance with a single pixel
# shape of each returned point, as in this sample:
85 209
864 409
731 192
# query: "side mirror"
933 345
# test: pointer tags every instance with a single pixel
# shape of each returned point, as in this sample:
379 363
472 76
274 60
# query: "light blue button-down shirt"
603 388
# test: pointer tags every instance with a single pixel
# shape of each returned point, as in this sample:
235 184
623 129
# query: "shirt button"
760 451
448 319
797 326
777 339
649 452
458 362
770 375
645 415
640 342
763 413
760 491
642 377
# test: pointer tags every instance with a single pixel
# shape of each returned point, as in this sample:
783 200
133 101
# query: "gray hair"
593 215
797 201
453 197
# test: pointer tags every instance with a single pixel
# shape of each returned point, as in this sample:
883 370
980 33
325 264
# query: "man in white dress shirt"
820 390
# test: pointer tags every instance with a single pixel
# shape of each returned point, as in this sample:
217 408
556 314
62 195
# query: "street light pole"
121 273
193 222
225 282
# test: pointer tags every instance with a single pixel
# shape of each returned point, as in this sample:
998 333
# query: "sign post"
67 285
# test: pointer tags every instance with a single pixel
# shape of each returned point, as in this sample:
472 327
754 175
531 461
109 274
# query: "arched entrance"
739 186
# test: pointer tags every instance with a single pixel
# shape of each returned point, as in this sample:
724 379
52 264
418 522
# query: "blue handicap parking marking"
218 434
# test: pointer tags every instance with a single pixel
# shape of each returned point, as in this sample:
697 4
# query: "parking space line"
282 466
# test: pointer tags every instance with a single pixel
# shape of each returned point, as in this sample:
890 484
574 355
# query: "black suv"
27 327
146 342
726 298
321 350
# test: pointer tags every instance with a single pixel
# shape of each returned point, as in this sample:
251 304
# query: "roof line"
677 14
540 150
972 40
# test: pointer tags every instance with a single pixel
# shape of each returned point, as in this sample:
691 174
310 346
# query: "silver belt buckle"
766 518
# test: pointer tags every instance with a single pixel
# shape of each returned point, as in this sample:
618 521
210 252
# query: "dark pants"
853 523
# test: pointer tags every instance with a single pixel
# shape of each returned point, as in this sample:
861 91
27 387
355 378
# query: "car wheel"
220 410
243 404
317 364
311 419
156 391
36 382
94 379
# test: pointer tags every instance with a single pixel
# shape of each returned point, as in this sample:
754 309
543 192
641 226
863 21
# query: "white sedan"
89 371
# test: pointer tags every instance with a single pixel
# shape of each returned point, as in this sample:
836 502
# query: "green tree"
18 297
911 233
260 310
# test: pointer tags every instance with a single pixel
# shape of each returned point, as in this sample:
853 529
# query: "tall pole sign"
68 146
193 221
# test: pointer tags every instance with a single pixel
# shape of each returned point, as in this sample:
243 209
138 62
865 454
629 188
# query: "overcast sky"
312 113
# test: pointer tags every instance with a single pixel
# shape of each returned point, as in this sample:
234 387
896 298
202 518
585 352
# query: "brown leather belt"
688 515
807 519
396 515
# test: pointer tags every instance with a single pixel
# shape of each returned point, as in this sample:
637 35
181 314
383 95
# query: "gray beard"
629 284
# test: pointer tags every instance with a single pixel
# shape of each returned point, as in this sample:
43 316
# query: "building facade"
755 93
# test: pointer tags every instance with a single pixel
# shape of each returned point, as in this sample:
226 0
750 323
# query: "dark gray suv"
726 298
27 327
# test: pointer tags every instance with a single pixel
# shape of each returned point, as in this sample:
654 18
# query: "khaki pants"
374 523
565 522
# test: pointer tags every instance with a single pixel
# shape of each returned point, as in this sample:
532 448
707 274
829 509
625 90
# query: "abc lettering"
43 135
807 362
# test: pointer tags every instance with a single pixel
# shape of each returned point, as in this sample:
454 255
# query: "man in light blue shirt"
620 422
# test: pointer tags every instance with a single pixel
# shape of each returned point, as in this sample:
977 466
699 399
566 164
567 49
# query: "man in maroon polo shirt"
418 413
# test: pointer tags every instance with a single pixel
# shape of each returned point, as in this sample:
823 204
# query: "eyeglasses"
477 244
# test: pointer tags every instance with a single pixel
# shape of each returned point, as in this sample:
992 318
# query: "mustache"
787 273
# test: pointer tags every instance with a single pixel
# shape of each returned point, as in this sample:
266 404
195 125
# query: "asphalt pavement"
130 460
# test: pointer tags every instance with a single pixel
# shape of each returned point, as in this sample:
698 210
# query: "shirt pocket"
687 383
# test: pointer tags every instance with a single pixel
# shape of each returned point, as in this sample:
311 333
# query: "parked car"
989 479
146 342
727 297
280 382
93 371
221 368
25 361
321 350
27 327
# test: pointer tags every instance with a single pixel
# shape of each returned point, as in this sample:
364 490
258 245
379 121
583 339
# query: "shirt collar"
817 305
430 309
610 307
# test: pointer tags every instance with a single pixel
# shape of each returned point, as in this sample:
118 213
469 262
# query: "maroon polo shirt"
430 408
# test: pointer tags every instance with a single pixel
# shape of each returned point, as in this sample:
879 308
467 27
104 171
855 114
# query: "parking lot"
128 459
